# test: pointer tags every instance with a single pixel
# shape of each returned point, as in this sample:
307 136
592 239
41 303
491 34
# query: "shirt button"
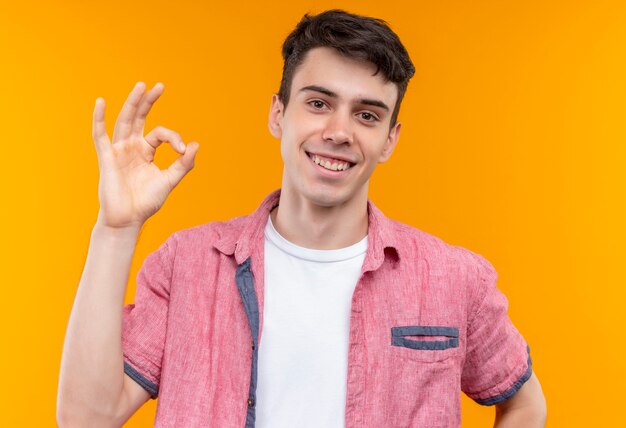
250 402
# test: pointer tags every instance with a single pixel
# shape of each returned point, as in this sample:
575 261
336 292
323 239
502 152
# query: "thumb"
183 164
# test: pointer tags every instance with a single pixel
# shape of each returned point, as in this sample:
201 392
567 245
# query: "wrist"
122 233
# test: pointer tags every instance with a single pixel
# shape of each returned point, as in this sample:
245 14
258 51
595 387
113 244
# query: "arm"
92 384
93 389
527 408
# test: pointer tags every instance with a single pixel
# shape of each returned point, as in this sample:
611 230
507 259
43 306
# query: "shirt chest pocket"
425 343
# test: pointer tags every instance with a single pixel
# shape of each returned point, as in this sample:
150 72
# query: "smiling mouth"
330 163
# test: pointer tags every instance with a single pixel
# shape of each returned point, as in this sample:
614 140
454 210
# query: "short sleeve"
144 322
497 361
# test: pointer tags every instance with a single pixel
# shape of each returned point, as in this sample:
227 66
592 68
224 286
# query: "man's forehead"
344 76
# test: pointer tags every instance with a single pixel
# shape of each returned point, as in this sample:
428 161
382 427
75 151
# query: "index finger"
144 107
124 122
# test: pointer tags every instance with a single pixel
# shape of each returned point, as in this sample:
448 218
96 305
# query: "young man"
316 310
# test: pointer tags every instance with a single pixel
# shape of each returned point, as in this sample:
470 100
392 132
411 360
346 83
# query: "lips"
330 163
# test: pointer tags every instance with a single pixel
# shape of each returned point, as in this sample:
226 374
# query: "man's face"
335 128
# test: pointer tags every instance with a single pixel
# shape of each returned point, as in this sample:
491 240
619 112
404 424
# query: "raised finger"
124 122
98 129
161 134
146 103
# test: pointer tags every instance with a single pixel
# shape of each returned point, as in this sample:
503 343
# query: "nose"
338 128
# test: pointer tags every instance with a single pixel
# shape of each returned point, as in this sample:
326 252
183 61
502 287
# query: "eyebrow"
328 92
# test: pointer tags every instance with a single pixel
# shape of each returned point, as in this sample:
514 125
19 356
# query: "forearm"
92 377
526 409
521 418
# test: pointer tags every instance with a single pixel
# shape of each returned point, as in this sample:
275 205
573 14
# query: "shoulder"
453 266
211 230
416 243
206 237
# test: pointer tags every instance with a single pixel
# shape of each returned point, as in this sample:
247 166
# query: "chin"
327 199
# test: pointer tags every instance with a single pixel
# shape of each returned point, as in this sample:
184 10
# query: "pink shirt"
427 322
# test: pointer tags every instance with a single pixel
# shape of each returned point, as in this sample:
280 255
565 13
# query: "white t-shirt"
303 352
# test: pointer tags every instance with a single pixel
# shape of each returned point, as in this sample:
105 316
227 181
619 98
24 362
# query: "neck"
320 227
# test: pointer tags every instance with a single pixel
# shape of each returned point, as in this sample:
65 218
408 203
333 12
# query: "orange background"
512 146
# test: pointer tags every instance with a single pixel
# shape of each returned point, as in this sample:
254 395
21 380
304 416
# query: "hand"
132 187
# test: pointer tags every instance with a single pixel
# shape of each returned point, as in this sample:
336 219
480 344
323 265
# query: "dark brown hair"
356 36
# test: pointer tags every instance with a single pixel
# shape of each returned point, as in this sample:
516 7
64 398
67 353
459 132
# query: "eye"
368 117
317 104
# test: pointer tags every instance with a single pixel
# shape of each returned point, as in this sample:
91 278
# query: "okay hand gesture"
132 187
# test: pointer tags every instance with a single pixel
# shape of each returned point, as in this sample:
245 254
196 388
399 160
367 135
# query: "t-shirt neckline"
310 254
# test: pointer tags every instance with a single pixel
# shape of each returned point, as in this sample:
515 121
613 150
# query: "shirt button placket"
356 373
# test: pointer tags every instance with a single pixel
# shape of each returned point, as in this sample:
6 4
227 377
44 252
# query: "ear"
390 144
275 121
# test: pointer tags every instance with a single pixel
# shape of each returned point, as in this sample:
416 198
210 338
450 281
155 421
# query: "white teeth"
341 166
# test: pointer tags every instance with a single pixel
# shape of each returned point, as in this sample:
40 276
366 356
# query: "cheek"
288 145
377 140
293 137
304 124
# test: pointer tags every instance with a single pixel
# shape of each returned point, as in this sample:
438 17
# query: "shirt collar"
381 239
247 239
